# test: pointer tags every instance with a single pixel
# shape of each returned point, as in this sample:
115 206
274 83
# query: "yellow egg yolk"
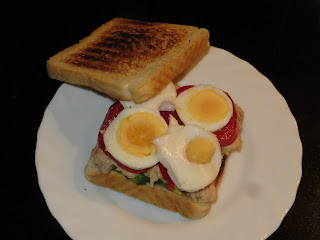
200 150
207 106
136 132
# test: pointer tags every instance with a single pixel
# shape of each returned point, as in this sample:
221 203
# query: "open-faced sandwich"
159 142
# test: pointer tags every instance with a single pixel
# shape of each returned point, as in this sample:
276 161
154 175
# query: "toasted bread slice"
130 60
159 195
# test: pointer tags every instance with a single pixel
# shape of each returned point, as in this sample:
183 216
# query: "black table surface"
280 39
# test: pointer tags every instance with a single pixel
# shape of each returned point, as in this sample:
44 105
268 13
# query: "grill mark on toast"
108 45
101 51
92 57
123 48
93 50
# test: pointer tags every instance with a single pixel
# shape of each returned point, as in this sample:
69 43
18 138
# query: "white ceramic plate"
258 188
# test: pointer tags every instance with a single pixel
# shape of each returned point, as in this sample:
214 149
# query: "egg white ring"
186 117
164 101
171 151
121 155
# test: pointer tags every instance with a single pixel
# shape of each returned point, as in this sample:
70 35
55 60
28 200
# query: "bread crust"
130 60
159 195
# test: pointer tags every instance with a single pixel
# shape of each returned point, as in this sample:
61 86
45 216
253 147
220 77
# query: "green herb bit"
161 182
140 179
114 168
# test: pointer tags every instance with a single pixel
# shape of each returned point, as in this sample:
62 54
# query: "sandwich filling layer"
198 150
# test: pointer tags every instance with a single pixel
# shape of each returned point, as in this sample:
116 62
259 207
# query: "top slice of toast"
129 59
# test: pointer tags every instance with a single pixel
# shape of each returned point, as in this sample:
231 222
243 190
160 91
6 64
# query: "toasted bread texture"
130 60
159 195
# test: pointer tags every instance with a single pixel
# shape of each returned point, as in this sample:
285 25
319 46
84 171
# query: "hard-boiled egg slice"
204 106
129 137
164 101
191 155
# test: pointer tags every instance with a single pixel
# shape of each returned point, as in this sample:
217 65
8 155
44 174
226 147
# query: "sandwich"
159 142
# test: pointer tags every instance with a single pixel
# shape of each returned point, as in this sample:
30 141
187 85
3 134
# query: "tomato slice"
166 116
182 89
229 133
225 135
166 177
112 113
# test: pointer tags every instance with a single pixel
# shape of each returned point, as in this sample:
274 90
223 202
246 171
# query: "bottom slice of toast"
158 195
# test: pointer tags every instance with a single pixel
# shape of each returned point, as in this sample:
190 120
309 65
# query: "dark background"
280 39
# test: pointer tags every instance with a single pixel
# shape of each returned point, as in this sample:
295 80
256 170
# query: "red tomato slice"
166 177
112 113
228 134
166 116
225 135
182 89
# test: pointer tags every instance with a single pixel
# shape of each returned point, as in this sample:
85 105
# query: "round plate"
258 188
